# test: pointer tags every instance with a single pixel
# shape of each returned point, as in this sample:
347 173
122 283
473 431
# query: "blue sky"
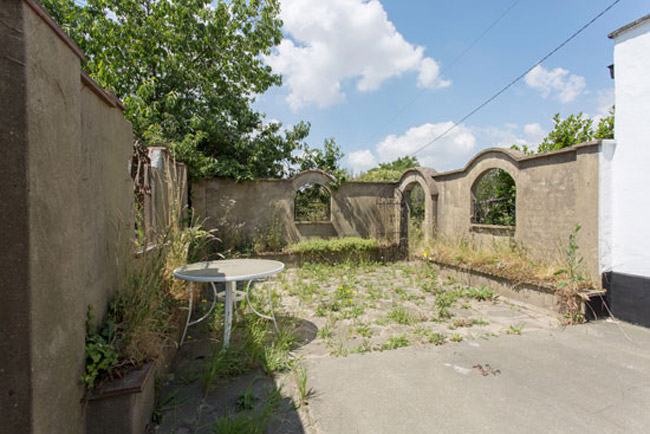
379 76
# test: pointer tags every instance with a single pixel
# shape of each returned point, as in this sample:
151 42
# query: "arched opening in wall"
412 216
415 204
312 204
494 196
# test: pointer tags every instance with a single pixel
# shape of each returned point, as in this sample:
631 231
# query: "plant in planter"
101 355
141 323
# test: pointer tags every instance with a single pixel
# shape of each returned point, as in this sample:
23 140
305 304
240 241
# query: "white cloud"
534 133
450 152
494 137
453 151
606 100
490 137
332 41
557 82
361 161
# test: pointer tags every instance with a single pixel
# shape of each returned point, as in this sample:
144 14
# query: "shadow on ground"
232 404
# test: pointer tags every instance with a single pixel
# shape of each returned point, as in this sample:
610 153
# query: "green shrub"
350 248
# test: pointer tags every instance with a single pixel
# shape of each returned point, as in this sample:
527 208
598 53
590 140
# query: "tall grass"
506 259
143 313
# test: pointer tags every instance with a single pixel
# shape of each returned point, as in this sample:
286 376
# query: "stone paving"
338 311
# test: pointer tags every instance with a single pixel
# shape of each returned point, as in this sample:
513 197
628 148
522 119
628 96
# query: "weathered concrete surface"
15 373
64 185
554 192
589 378
240 210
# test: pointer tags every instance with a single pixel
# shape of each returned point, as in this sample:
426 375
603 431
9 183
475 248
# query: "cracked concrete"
592 377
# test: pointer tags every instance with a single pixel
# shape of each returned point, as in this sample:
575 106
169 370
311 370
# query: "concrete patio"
589 378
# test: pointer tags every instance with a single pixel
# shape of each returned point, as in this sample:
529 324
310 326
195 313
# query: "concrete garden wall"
554 192
66 199
243 209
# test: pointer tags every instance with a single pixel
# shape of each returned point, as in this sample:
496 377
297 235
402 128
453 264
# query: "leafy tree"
571 131
187 72
605 129
327 159
494 199
390 171
312 204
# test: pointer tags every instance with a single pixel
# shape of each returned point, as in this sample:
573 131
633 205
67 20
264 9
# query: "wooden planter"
123 406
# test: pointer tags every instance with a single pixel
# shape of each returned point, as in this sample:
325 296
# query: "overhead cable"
522 75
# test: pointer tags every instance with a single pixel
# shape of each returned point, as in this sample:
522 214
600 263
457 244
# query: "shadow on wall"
554 191
365 210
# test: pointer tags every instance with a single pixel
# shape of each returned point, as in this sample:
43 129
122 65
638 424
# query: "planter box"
537 294
123 406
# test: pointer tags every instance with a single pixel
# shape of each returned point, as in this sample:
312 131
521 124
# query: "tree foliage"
390 171
494 199
571 131
187 72
312 204
327 159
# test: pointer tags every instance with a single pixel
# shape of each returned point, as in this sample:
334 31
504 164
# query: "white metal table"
229 271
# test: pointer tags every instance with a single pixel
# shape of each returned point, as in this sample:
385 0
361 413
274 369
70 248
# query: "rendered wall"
15 331
625 202
72 189
555 191
241 209
630 204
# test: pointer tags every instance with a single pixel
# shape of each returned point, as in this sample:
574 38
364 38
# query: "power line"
445 68
506 87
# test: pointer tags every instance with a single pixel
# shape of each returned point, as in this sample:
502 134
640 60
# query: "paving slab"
588 378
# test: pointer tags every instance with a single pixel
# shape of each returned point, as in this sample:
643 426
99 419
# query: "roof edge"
629 26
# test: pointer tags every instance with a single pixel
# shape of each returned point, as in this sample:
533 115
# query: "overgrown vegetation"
256 345
101 355
389 171
188 73
143 316
494 198
356 308
571 131
250 421
350 248
415 204
312 204
571 290
270 238
506 259
510 261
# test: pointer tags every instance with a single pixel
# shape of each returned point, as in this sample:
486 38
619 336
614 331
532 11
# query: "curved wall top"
516 158
314 176
422 175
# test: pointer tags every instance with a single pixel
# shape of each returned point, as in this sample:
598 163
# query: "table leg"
261 315
230 289
189 313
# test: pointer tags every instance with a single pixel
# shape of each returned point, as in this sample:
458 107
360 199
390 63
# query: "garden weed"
395 342
400 315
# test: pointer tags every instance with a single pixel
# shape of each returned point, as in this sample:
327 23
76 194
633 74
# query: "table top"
228 270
